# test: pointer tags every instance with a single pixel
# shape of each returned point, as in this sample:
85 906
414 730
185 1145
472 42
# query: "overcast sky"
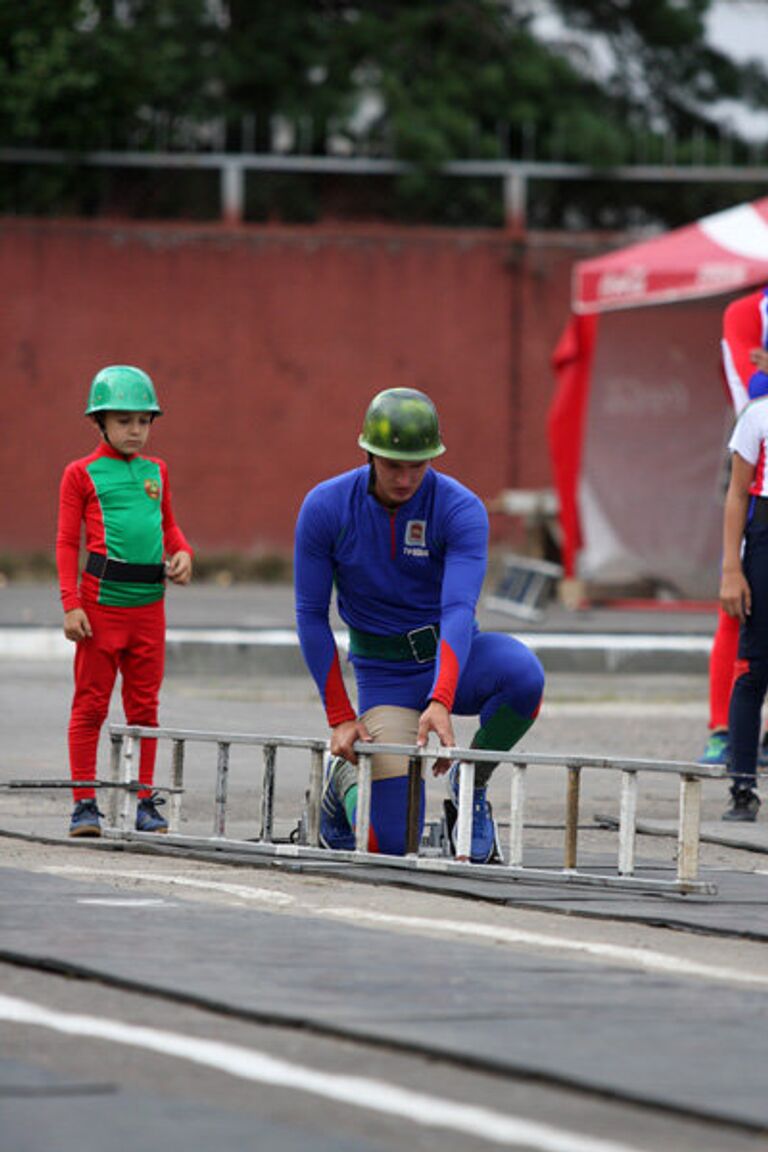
740 29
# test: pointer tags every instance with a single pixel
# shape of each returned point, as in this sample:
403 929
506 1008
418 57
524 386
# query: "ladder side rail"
211 736
674 767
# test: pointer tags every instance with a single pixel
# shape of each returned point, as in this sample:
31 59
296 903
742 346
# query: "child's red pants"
131 641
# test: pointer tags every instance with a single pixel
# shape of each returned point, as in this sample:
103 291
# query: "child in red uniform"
117 617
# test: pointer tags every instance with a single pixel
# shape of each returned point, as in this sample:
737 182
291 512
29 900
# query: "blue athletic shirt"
394 570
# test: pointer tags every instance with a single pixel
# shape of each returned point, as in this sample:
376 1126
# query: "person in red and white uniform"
744 349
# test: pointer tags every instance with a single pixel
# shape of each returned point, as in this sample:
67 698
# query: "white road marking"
635 957
43 643
122 902
241 891
645 959
355 1091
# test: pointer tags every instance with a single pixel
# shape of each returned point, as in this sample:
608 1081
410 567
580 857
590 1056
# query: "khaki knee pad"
390 724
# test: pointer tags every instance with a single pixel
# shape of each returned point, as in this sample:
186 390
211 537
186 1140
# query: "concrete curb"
276 650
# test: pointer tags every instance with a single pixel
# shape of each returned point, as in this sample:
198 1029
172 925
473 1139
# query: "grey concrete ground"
626 1023
222 605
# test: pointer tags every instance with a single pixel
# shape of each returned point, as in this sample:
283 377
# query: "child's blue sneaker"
335 831
85 819
148 819
485 847
717 751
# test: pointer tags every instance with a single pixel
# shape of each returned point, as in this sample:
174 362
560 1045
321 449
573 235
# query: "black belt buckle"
423 643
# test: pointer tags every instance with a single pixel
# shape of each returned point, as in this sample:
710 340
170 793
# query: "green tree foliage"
658 64
427 81
91 74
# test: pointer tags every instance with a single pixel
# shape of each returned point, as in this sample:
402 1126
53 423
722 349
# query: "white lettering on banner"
628 282
415 551
720 274
637 398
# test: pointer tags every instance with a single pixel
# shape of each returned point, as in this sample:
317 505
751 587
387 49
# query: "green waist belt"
420 644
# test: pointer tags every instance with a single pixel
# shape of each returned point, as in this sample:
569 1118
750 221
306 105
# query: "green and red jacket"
125 504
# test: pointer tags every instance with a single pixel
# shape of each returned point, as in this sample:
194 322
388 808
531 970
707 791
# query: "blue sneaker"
335 831
148 819
717 751
85 819
484 847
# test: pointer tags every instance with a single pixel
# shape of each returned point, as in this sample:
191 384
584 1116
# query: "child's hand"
77 626
179 568
735 594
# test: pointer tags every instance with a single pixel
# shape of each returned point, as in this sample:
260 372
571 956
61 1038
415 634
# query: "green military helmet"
121 388
401 424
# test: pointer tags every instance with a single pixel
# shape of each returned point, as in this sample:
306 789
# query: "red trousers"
126 640
721 668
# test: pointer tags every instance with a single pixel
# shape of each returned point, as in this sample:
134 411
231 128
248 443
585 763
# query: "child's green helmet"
401 424
121 388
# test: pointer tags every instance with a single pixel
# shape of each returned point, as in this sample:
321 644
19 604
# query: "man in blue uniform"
406 548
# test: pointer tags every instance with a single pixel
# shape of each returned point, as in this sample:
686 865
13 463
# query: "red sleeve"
174 539
444 688
742 331
337 705
72 498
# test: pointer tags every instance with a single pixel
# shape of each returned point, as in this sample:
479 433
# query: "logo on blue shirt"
415 538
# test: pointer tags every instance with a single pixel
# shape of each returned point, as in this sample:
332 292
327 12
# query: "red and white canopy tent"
639 420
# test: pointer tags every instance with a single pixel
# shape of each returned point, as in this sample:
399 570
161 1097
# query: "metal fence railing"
516 176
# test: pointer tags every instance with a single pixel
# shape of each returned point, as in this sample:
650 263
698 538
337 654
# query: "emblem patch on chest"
152 489
416 538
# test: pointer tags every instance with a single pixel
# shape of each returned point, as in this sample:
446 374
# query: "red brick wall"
265 344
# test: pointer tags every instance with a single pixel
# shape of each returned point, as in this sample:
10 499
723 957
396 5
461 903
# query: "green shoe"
717 751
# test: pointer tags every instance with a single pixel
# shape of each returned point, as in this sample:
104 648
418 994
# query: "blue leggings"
751 680
502 682
389 807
